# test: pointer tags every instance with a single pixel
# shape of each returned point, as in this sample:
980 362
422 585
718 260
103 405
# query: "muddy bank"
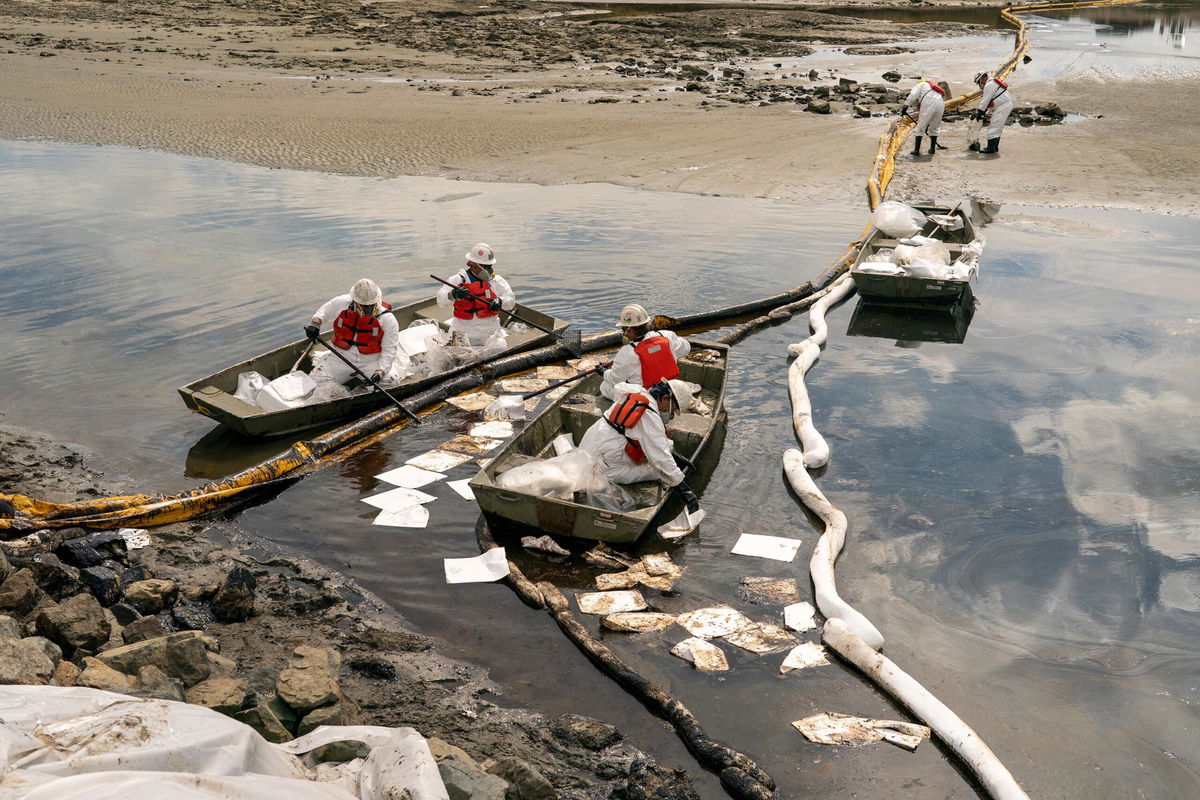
555 93
280 612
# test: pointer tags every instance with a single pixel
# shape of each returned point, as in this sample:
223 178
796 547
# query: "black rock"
124 613
91 550
648 781
103 583
374 668
135 573
189 616
234 599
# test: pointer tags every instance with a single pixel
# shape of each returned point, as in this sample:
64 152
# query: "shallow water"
1146 40
1021 504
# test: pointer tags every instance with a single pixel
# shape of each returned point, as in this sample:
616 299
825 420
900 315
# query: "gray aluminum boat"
907 290
213 397
574 413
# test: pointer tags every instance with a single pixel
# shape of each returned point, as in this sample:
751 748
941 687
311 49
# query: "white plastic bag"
897 219
931 254
288 391
563 475
560 476
249 385
879 268
413 339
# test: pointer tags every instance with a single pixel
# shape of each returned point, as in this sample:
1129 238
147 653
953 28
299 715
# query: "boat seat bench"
955 248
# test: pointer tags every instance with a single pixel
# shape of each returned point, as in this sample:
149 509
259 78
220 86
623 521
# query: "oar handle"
557 384
416 420
555 334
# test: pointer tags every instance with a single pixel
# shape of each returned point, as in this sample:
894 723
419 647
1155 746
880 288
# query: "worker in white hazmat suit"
363 332
647 356
926 103
996 101
478 296
630 441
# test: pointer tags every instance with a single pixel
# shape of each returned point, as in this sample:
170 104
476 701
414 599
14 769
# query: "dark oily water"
1021 504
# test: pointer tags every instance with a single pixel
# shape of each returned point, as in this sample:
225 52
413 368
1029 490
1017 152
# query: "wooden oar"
416 420
303 353
507 406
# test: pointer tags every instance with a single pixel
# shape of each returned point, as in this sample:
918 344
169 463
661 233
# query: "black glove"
312 332
459 293
377 376
495 305
689 497
683 462
978 116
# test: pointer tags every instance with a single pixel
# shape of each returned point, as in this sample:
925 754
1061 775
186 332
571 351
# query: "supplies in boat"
425 350
562 476
925 257
897 219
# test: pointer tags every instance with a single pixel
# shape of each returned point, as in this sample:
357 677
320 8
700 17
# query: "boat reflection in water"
911 326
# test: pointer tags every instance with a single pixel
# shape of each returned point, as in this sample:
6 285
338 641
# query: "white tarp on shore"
73 743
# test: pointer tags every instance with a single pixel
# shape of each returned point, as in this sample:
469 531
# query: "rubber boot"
917 147
993 146
933 145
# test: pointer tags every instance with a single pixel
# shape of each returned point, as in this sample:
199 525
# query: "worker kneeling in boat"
648 356
630 441
478 296
363 332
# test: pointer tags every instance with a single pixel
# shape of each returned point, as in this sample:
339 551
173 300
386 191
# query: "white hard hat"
366 292
980 77
632 316
482 253
682 392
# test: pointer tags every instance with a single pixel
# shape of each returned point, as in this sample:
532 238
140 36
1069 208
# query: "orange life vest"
936 88
363 331
623 416
658 362
471 307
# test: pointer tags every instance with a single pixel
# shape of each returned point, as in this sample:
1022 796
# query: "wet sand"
544 94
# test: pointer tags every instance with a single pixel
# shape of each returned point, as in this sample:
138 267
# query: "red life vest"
658 362
471 308
363 331
623 416
936 88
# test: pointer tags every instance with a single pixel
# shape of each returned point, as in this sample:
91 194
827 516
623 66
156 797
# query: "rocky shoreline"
192 613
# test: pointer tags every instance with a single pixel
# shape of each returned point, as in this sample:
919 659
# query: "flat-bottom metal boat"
910 290
573 414
213 395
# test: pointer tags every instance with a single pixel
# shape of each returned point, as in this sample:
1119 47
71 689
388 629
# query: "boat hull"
693 435
213 397
906 291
